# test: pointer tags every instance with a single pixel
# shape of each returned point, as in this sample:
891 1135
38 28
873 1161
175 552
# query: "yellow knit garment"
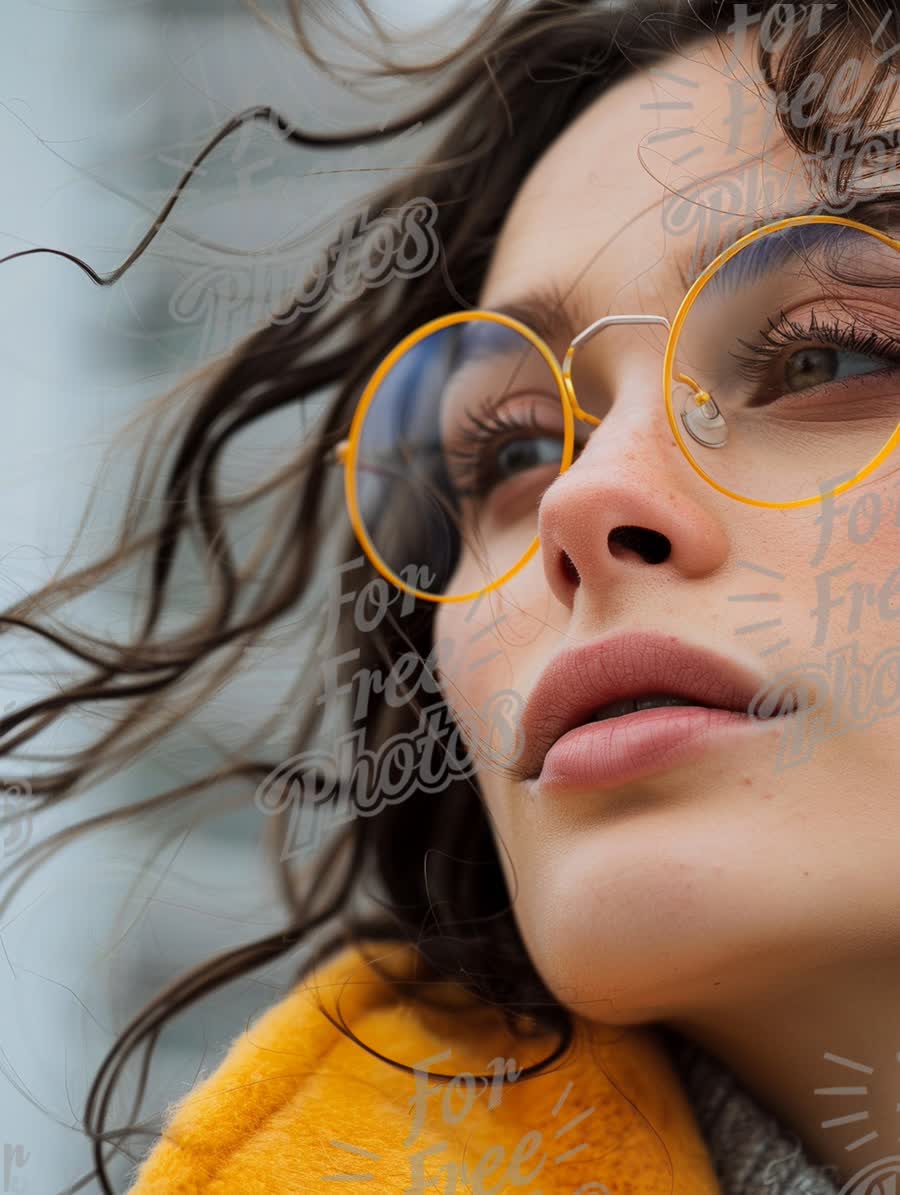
297 1107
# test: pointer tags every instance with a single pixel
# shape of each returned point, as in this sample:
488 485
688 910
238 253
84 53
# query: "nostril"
650 545
568 567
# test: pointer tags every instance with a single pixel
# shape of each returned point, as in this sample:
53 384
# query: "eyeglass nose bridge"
701 396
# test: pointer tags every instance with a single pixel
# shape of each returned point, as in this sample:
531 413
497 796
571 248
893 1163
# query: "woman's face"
661 864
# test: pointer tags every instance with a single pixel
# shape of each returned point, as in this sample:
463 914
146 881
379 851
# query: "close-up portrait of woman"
578 549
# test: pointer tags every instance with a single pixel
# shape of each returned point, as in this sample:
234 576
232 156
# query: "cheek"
482 652
498 642
826 578
468 656
852 565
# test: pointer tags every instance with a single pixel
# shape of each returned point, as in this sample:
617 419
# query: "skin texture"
754 909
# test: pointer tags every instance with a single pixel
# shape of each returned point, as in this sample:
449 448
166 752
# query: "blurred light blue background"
102 107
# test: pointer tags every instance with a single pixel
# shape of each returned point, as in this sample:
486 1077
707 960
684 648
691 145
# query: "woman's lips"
611 752
563 742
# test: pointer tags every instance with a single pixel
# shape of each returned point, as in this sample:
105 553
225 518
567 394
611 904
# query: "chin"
632 937
634 987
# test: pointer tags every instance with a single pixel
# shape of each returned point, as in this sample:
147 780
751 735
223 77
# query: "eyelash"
474 457
785 333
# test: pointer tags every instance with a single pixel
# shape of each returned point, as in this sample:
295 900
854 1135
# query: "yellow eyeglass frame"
347 450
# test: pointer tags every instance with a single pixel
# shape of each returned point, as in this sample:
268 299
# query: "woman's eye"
816 366
519 455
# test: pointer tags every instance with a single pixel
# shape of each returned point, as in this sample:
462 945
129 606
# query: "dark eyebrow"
558 318
877 210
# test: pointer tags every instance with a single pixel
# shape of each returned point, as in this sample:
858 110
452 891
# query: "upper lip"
578 681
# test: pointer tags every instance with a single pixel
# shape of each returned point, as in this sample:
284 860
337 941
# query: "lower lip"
612 752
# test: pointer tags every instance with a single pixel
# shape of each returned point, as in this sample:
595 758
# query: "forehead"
661 167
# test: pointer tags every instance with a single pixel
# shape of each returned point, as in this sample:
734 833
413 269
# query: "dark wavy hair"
515 84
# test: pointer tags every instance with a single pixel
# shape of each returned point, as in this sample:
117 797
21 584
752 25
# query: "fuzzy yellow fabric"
298 1107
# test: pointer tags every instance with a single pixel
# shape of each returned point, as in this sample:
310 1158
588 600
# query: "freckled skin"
683 897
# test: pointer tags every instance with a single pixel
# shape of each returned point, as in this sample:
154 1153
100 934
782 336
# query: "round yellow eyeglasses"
781 377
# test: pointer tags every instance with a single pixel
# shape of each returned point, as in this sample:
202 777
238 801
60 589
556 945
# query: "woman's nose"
628 502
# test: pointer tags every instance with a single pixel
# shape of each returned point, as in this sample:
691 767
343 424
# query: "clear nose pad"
703 420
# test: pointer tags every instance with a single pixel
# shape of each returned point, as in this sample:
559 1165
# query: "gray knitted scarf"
753 1154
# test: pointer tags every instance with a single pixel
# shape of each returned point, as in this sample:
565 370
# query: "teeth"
616 709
